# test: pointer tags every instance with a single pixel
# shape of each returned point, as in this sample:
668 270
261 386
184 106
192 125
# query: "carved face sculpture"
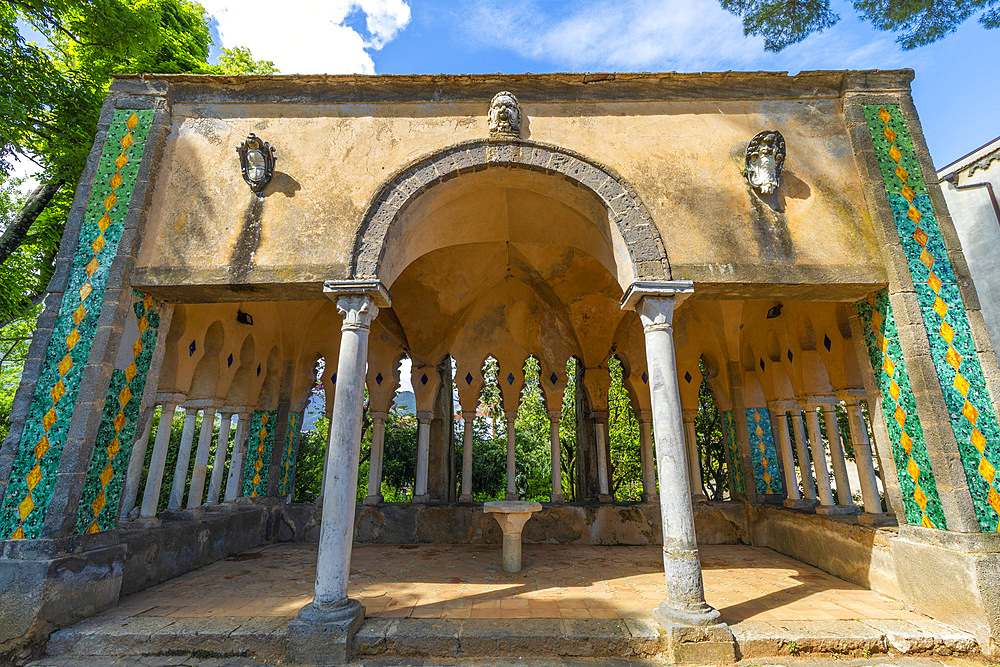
764 158
505 115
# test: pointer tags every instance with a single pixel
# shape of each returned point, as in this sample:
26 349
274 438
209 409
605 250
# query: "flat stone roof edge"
530 87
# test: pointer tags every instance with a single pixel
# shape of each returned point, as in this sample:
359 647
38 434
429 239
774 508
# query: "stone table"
512 515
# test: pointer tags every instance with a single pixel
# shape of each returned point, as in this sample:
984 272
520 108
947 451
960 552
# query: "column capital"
851 396
469 415
358 311
643 416
813 402
676 290
554 415
374 289
690 414
425 416
379 414
779 408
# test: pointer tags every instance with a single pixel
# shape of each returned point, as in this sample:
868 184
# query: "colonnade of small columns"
179 485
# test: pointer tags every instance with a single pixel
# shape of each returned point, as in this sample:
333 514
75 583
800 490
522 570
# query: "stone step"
264 637
760 639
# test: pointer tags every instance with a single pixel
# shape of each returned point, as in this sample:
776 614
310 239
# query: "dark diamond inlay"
645 378
378 379
510 378
468 378
761 364
827 342
687 377
423 379
191 348
229 361
258 370
789 355
333 378
554 378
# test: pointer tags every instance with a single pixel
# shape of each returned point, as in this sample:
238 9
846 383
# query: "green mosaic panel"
917 485
734 455
292 433
260 444
763 455
102 489
945 321
37 460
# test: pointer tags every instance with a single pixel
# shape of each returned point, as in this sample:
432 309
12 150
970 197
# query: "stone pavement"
453 601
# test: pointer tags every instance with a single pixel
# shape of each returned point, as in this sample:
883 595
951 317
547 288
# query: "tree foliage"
917 22
51 90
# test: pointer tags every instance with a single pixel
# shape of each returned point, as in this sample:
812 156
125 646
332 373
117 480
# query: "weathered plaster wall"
682 155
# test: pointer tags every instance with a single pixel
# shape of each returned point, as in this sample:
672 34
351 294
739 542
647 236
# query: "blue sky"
954 89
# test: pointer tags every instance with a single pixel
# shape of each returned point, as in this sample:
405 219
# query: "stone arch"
639 251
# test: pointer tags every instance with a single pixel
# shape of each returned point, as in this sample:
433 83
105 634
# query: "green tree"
50 98
917 22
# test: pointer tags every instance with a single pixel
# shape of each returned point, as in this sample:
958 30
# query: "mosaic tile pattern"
292 432
906 437
729 422
947 325
762 451
259 447
37 460
109 462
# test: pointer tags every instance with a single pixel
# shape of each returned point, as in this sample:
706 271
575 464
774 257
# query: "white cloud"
666 35
310 36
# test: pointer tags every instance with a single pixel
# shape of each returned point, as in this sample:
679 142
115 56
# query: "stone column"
183 459
219 461
601 431
375 462
235 479
323 631
554 416
511 493
468 421
154 479
423 455
649 493
135 462
693 457
808 485
201 458
873 514
793 499
824 492
685 615
844 498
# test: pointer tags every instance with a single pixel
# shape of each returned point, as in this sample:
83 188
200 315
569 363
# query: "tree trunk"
15 233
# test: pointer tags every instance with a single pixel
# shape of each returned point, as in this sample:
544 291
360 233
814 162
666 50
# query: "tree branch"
17 231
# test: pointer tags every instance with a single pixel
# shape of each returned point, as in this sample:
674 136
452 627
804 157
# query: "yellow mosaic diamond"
110 201
34 477
119 422
961 384
894 391
970 412
85 291
104 222
978 440
94 528
914 214
908 193
905 442
49 419
132 121
91 267
57 392
953 358
125 396
901 173
895 154
143 325
884 114
900 415
889 134
121 160
993 498
926 522
79 314
41 447
136 347
947 332
72 339
926 258
913 470
67 361
106 475
114 448
920 497
130 371
888 366
126 141
99 503
116 180
940 307
98 244
264 418
147 302
24 509
18 534
987 470
934 282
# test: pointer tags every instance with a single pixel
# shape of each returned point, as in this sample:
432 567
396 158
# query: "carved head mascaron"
505 115
764 158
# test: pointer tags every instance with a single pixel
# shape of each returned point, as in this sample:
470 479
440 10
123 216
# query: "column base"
705 641
605 498
465 498
650 498
877 519
320 636
699 498
798 504
510 496
422 498
140 523
557 498
373 500
831 510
